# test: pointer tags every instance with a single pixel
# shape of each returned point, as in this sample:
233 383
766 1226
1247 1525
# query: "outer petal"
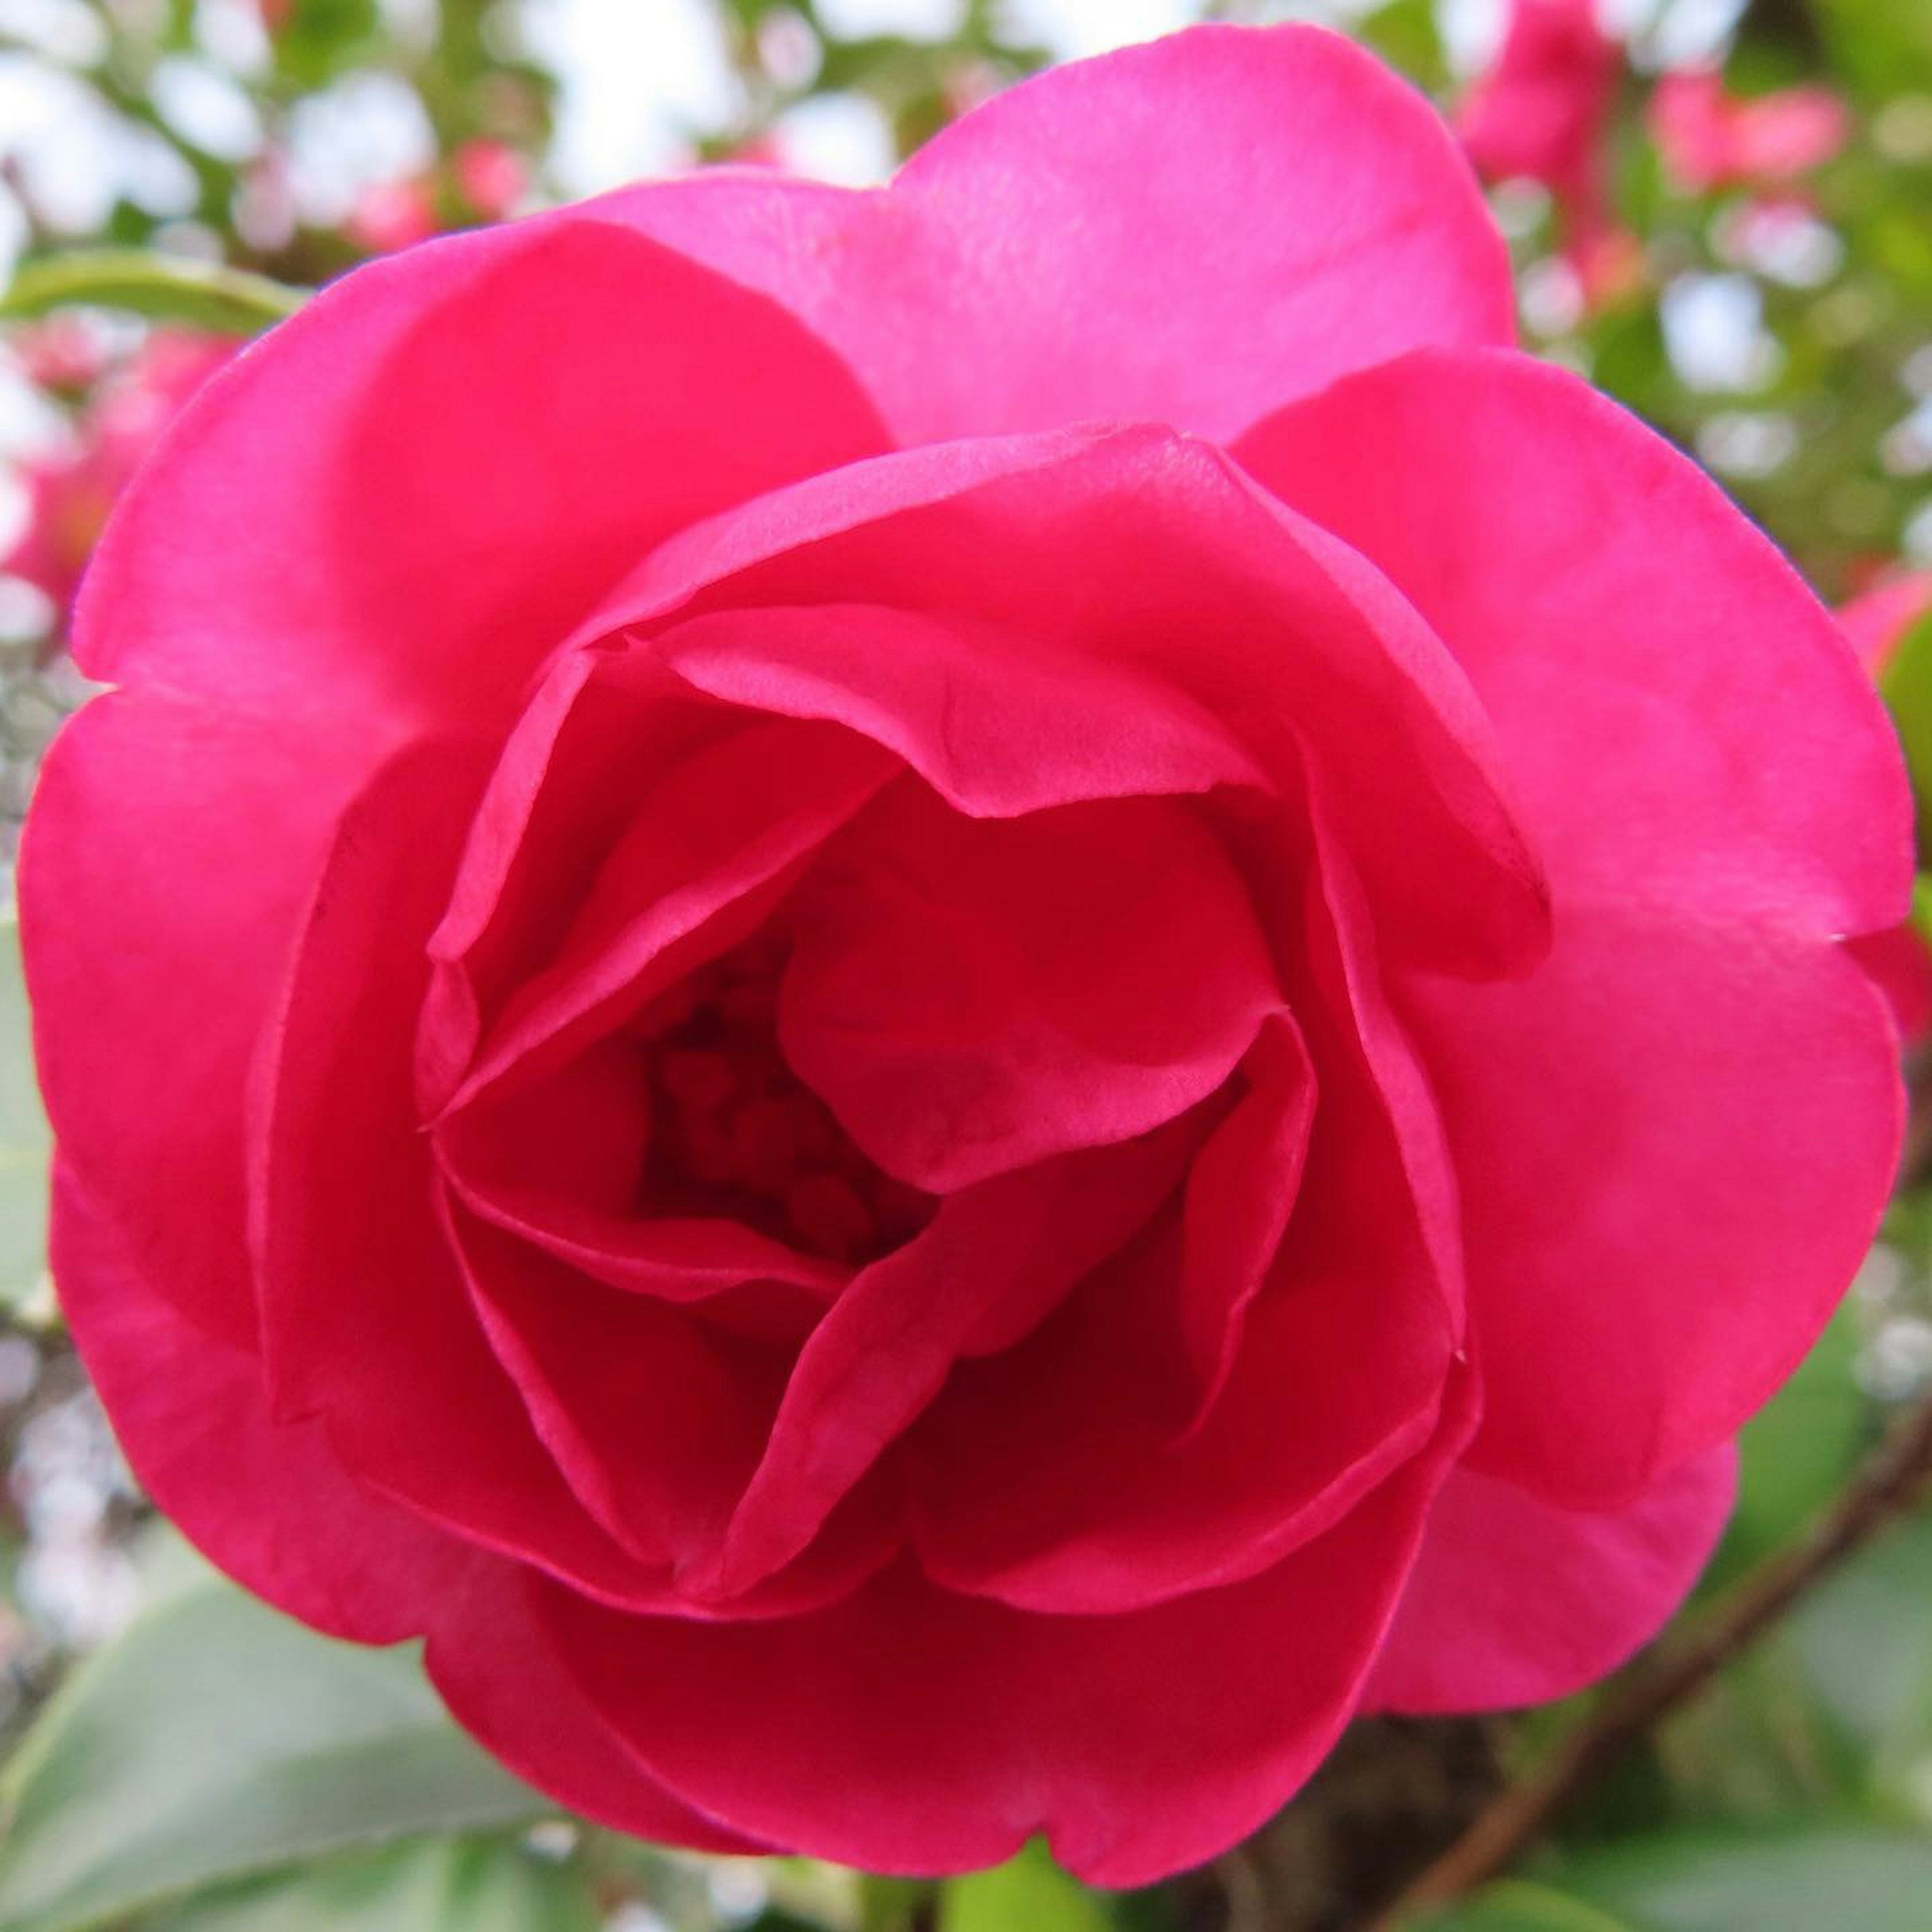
533 1716
349 1237
1516 1601
936 1732
1679 717
163 875
1674 1143
364 535
1021 271
1674 1140
192 1414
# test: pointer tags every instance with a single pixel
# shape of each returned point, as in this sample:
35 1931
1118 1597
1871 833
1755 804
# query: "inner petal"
971 996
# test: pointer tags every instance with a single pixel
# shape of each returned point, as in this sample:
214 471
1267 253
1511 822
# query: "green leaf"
216 1738
1906 684
168 288
24 1143
1798 1451
1848 1879
1862 1641
1517 1905
1030 1891
440 1885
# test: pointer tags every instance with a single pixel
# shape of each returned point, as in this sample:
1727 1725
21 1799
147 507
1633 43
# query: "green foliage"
1907 686
437 1885
1030 1891
164 288
216 1738
1847 1879
1796 1454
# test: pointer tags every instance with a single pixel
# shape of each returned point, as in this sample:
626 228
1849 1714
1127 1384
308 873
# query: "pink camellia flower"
1542 113
71 493
947 1005
1711 138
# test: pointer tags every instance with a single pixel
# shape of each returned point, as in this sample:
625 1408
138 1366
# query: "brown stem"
1883 1488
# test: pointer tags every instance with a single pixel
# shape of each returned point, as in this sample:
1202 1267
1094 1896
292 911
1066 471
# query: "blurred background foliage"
1721 211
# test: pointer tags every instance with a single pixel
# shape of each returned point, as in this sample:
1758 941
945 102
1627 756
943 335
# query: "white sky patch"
838 137
909 20
636 81
1075 29
1713 331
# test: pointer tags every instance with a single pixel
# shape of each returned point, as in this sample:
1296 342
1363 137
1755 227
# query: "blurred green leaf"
1863 1640
1907 686
165 288
1518 1905
24 1144
1797 1451
1846 1878
1030 1891
440 1886
215 1739
320 38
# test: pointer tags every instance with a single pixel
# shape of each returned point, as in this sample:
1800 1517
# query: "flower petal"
941 1731
1674 1143
1514 1600
971 995
1680 719
1019 273
412 554
151 982
191 1413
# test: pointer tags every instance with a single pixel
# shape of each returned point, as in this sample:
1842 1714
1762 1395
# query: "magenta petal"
995 1260
970 995
1722 751
1515 1600
350 461
1321 669
941 1731
152 981
1082 1474
536 1719
996 722
714 840
1020 273
348 1231
192 1415
1674 1143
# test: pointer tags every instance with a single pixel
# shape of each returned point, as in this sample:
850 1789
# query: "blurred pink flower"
1711 138
60 352
70 493
491 177
1541 113
1877 621
391 215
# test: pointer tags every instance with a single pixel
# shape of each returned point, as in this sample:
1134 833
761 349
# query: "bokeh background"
1721 212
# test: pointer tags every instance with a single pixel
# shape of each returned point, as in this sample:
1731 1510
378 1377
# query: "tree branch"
1882 1489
